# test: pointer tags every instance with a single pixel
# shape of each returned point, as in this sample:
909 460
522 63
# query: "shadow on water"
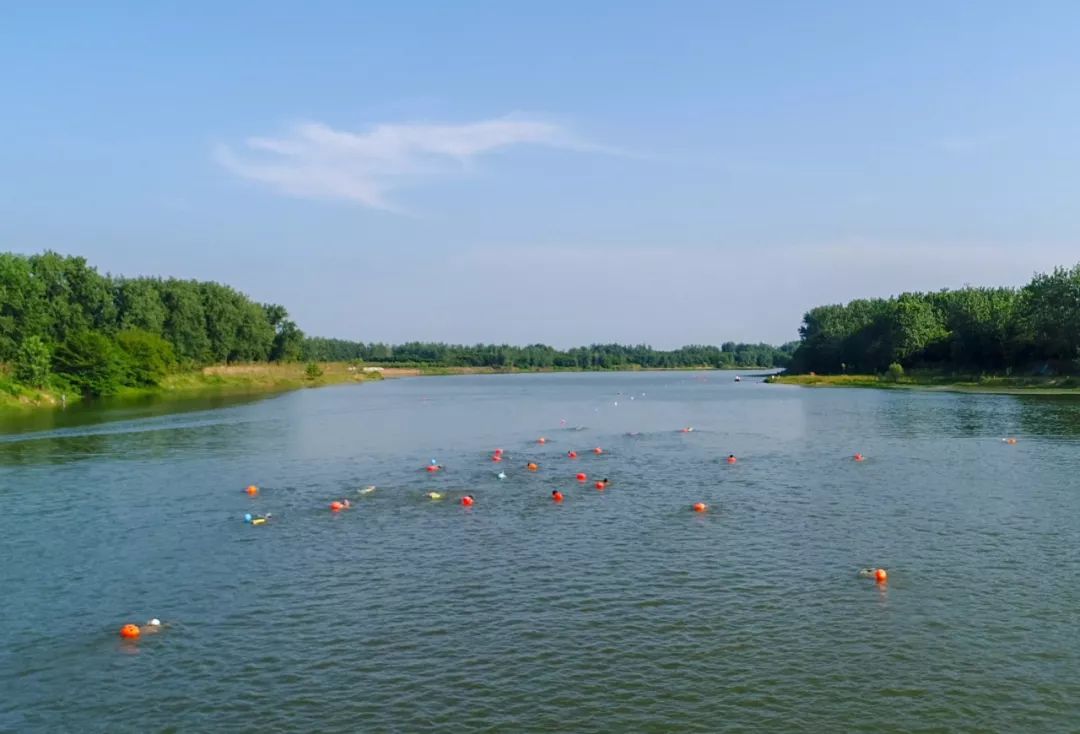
107 410
86 431
1054 417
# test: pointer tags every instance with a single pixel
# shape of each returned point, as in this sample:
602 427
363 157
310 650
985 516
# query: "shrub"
147 357
91 363
895 372
32 362
313 370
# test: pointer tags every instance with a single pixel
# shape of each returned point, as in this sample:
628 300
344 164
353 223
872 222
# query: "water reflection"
93 412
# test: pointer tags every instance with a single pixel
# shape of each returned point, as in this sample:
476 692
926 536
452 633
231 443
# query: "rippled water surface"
619 610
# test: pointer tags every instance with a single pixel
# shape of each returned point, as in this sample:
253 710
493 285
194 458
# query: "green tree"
90 363
147 358
32 362
139 305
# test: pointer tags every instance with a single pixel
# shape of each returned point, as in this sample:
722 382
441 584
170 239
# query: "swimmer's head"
155 622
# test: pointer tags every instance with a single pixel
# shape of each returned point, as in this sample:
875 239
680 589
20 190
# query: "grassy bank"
916 381
218 380
253 379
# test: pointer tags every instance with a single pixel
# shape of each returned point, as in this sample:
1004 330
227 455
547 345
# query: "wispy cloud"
313 160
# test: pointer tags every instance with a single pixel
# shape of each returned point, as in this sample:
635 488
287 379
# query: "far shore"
991 385
268 379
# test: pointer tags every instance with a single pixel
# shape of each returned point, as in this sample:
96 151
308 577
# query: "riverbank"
261 378
224 380
982 384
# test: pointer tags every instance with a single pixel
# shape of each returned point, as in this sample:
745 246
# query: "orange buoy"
252 490
859 457
130 632
598 450
496 458
700 507
556 495
881 576
336 506
532 467
581 477
467 500
600 485
571 454
541 440
731 459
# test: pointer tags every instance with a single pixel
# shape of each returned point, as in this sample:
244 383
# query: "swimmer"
151 628
434 496
366 490
605 481
501 475
867 573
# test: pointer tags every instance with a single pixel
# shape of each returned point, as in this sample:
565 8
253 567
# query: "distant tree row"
1035 328
539 356
64 324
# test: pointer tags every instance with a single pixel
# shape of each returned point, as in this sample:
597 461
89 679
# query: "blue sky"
561 172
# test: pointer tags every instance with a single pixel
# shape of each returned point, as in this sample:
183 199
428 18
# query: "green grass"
220 380
1009 385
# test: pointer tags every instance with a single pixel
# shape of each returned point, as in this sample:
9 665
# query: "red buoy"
541 440
496 458
881 575
431 469
571 454
859 457
467 500
600 485
700 507
336 506
130 632
532 467
581 477
498 452
731 459
598 450
556 495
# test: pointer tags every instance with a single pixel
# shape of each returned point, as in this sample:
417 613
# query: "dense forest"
1034 329
539 356
65 326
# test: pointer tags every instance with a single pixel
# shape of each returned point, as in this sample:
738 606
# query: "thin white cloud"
313 160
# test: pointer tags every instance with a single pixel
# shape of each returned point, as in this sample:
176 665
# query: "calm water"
619 610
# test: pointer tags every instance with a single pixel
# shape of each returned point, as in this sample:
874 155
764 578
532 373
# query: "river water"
618 610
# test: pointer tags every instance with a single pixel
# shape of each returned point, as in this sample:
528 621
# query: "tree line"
63 324
540 356
66 326
1034 329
